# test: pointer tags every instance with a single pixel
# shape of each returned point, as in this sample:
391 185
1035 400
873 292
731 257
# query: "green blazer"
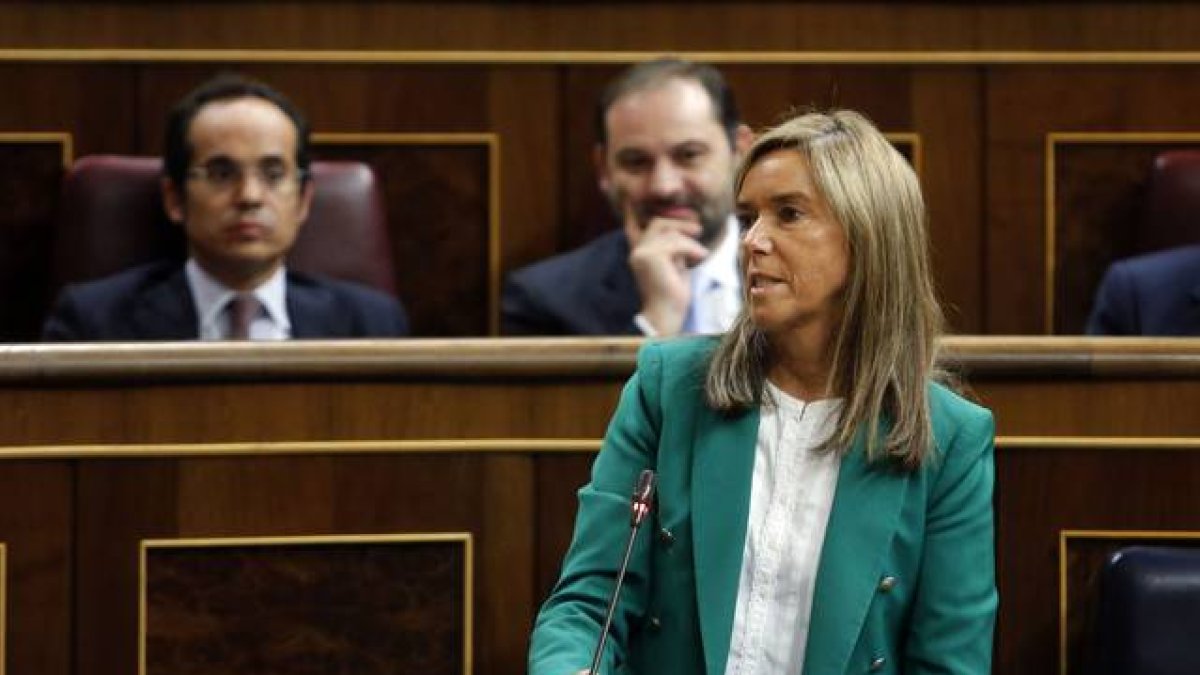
906 579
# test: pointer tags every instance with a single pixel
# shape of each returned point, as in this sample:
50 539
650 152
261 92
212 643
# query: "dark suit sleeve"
520 311
523 311
386 318
1114 311
65 323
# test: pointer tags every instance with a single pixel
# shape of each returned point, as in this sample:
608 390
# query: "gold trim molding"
464 538
537 446
487 140
557 57
1098 442
1064 538
285 448
63 138
1053 140
519 360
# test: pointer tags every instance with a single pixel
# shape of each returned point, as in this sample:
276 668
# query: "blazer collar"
864 517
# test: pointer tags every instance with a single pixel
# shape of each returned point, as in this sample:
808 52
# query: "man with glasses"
236 177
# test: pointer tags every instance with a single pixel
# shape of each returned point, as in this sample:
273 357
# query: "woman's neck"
801 364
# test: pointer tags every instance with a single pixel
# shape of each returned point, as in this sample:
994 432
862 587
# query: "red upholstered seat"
112 218
1171 214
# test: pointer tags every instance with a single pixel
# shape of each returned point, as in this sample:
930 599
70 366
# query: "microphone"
639 507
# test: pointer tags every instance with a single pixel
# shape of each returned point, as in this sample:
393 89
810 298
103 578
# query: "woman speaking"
824 505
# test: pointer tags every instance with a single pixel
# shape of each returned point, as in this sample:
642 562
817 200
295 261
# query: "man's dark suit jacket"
588 291
154 302
1153 294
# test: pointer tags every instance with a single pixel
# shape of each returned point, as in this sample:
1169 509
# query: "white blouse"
790 499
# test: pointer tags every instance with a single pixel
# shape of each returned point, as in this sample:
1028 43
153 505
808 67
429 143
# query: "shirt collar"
720 267
211 296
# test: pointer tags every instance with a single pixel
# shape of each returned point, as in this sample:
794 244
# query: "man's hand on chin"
661 261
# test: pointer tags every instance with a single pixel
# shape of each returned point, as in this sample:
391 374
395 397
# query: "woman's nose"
755 239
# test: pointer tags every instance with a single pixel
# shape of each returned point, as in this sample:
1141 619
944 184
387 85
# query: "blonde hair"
885 347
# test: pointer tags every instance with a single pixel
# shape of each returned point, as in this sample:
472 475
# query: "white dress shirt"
211 298
717 286
790 499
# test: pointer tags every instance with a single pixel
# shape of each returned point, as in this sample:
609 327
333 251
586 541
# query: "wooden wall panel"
367 604
1024 106
90 102
947 113
436 194
31 172
1043 492
587 212
82 107
37 530
598 26
558 479
121 503
494 438
116 504
526 112
1098 191
1069 406
124 502
338 98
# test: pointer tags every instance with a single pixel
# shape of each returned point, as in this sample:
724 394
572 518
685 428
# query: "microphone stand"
639 508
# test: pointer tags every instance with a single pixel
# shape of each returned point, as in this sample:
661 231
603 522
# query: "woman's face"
795 254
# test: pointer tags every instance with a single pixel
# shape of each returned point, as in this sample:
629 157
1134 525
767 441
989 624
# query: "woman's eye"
745 221
790 214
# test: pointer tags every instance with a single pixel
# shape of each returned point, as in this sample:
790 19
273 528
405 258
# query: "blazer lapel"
865 515
722 470
166 311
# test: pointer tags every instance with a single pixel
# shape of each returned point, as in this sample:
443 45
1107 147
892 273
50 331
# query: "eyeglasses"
223 174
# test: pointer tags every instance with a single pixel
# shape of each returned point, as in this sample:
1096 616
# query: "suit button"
877 663
886 584
665 536
654 623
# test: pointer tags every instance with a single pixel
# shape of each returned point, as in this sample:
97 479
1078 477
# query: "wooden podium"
404 505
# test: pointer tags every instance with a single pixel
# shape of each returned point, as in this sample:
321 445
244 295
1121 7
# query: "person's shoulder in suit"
99 309
1152 294
347 309
557 296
